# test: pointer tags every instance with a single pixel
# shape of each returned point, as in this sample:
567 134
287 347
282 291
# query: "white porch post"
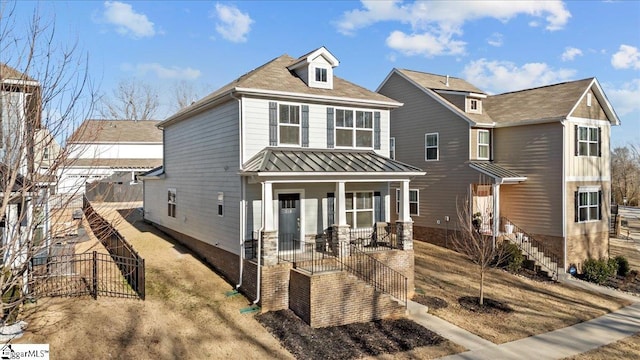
267 206
404 215
496 211
341 208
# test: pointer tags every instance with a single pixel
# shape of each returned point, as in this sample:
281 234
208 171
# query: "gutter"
242 201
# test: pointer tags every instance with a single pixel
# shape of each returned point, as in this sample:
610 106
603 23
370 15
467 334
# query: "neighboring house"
533 164
19 120
282 174
99 148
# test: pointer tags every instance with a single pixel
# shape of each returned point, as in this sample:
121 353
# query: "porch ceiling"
303 161
500 174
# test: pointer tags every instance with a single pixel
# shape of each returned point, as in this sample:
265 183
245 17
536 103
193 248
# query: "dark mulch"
489 306
629 283
348 341
432 302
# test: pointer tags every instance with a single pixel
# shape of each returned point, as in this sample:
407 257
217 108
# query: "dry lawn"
627 348
539 307
630 249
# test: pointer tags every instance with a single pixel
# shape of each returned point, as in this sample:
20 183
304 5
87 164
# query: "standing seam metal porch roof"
496 171
278 160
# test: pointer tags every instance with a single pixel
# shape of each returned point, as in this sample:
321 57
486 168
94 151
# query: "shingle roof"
325 161
496 171
7 72
109 131
116 163
438 82
552 102
274 76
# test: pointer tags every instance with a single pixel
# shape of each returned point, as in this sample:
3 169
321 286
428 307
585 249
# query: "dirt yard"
538 307
187 315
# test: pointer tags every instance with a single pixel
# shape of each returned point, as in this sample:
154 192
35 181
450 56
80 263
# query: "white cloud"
626 57
570 53
127 21
233 24
496 39
163 72
624 99
501 76
434 24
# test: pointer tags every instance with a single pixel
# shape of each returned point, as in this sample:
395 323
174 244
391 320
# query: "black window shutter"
599 141
576 196
305 125
273 123
377 205
576 139
376 130
331 200
330 128
600 205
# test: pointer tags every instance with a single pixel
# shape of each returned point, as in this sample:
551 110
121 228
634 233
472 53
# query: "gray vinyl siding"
457 100
201 159
256 126
534 151
448 180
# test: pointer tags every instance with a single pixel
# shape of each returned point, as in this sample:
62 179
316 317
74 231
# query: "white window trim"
589 190
477 110
392 148
487 145
355 210
437 147
320 84
220 209
299 125
173 202
354 129
417 213
588 141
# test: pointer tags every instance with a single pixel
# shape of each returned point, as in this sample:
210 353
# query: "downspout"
564 192
242 192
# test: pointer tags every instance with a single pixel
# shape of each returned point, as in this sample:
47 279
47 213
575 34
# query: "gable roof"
275 80
548 103
311 55
110 131
439 82
7 72
332 161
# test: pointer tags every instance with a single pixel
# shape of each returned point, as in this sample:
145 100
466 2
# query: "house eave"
324 98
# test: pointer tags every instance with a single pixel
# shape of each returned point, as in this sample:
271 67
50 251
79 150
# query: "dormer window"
474 105
321 74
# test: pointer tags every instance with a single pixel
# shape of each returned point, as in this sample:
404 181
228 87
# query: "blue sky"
498 46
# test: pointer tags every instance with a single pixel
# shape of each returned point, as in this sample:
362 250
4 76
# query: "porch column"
496 211
404 225
269 236
341 234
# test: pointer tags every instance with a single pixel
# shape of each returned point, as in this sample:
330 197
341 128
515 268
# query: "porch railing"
312 256
535 250
382 236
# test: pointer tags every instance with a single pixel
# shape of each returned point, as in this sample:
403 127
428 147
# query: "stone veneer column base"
404 233
340 237
269 247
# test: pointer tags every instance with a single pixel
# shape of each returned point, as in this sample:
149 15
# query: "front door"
289 221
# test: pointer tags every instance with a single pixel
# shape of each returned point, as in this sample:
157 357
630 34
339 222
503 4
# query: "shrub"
513 259
598 271
623 265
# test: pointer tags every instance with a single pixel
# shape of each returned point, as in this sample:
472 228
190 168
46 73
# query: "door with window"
289 222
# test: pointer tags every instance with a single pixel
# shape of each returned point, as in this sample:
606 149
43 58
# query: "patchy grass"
627 348
538 306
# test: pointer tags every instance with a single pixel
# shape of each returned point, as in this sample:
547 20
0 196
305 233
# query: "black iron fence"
382 236
312 256
535 250
94 274
131 269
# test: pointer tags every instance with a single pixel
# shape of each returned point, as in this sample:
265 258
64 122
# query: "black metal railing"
90 273
119 248
535 250
382 236
313 256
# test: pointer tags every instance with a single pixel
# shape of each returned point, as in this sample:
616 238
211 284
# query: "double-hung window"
431 142
588 141
171 202
392 148
289 124
350 133
414 202
359 206
588 204
321 74
483 144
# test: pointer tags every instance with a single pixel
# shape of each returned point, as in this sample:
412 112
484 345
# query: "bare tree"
625 174
44 92
131 100
186 93
476 242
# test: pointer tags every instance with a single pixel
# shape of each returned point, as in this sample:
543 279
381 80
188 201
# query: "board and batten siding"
534 151
447 181
256 125
582 167
201 159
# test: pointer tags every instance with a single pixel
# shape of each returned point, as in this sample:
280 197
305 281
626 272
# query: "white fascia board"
602 99
586 121
20 82
335 175
332 99
465 93
528 122
151 177
500 180
322 51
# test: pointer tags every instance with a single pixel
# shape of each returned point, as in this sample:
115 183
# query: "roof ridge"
428 73
543 86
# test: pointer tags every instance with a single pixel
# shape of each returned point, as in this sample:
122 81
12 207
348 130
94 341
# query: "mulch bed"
490 306
348 341
629 283
432 302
